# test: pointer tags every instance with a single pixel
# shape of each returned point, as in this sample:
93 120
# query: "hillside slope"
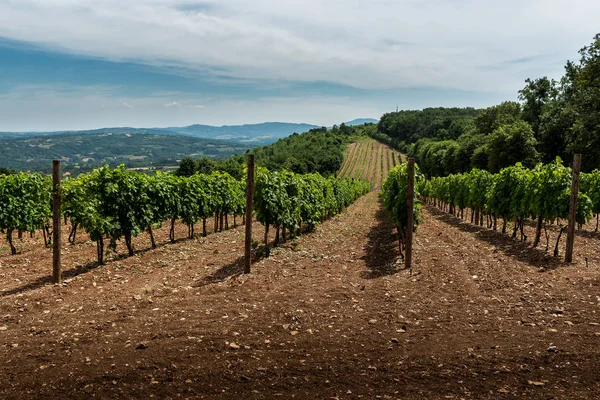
83 152
369 160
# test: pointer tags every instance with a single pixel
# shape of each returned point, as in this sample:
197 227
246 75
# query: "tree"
205 165
510 144
584 95
480 158
556 129
233 166
535 95
491 118
187 167
468 143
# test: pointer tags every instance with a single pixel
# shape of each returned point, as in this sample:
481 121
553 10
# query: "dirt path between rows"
329 315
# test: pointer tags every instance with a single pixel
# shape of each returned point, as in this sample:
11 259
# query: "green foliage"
205 165
440 123
490 119
25 203
590 185
283 198
535 96
583 94
233 166
118 203
319 150
510 144
518 192
187 167
394 193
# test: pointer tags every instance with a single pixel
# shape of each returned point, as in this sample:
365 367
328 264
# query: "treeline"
552 119
408 126
319 150
233 166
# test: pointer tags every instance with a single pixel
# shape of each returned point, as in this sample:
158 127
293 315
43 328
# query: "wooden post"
573 208
410 197
56 234
249 205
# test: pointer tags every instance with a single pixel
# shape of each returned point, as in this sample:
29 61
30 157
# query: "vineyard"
369 161
111 204
330 313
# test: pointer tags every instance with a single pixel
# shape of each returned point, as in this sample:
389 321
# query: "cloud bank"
471 45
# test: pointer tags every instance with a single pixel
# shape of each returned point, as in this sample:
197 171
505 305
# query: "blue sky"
79 64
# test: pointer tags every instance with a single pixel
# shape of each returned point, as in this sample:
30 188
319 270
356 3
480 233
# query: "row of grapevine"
395 196
117 203
288 201
25 204
368 160
514 195
590 185
114 204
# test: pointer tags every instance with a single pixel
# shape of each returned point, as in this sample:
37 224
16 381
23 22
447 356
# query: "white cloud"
464 44
126 105
198 106
172 104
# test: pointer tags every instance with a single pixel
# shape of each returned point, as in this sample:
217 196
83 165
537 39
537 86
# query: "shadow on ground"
84 268
382 247
71 273
521 251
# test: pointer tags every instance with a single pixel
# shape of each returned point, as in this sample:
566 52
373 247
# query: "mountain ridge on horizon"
256 134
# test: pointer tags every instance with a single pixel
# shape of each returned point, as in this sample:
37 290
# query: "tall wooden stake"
56 236
249 205
573 208
410 197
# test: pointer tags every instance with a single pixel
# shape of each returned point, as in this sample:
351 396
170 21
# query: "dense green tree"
318 150
206 165
187 167
584 96
535 95
510 144
233 166
491 118
556 129
480 157
468 143
412 125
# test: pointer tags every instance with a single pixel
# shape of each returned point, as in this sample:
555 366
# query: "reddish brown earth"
328 315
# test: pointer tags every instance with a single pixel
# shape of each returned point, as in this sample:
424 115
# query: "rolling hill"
83 152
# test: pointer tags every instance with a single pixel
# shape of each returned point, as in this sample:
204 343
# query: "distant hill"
120 130
83 152
251 134
255 134
139 147
361 121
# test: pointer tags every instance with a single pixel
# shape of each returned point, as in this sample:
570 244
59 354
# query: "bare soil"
331 314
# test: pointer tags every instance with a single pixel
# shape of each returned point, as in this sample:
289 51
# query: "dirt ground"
329 315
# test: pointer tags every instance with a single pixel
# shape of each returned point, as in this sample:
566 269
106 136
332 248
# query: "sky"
84 64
